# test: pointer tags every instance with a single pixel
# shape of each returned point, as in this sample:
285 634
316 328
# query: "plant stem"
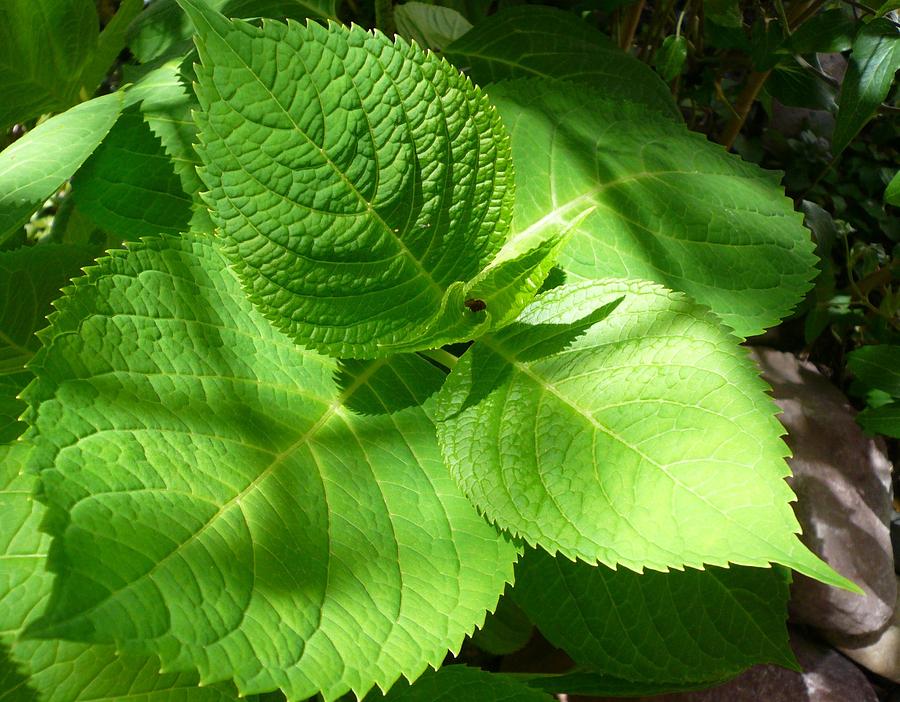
441 357
384 17
745 101
632 19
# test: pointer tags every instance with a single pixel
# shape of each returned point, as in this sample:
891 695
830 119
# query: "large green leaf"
645 440
35 166
44 45
454 683
681 626
163 30
877 366
670 206
364 187
59 671
215 502
870 74
530 41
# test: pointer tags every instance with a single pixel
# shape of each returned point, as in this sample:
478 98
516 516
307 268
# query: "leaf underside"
568 444
214 502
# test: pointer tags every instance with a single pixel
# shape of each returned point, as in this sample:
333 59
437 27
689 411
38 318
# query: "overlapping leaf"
459 682
529 41
645 440
364 187
36 165
676 627
670 206
214 502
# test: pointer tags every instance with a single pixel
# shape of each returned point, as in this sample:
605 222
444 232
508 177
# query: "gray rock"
879 652
827 677
843 484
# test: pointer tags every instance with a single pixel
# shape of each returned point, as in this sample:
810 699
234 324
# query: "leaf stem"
441 357
384 17
632 19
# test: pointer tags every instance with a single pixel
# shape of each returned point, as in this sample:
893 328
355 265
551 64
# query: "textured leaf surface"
453 683
44 45
430 26
129 185
361 184
646 440
33 167
215 503
528 41
870 74
31 277
163 30
59 671
680 626
670 206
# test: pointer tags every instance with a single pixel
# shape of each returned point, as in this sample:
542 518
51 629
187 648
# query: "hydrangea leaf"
877 366
412 190
460 682
35 166
529 41
670 206
430 26
164 31
881 420
129 185
60 671
44 47
645 440
216 503
681 626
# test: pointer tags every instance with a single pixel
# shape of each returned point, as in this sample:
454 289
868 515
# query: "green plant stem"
444 358
632 19
384 17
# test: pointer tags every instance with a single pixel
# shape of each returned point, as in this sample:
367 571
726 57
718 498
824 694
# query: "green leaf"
129 185
35 166
530 41
793 85
681 626
413 185
726 13
598 684
11 407
430 26
670 57
164 30
505 631
453 683
59 671
826 32
670 206
887 6
646 440
110 44
883 420
31 277
877 366
44 45
213 500
870 73
892 192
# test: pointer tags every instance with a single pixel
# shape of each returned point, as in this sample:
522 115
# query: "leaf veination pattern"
359 182
670 206
215 504
655 405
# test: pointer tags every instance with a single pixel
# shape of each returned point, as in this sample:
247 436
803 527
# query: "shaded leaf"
877 366
459 682
430 26
881 420
670 206
826 32
670 57
676 627
530 41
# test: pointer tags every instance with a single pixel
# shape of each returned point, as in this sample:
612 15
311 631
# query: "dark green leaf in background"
460 683
670 57
505 630
726 13
873 63
826 32
892 192
877 366
430 26
881 420
533 41
675 627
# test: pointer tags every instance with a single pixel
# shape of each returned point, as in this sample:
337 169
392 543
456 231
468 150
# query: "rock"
827 677
843 484
879 652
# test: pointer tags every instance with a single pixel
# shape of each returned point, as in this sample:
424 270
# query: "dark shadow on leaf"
385 386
